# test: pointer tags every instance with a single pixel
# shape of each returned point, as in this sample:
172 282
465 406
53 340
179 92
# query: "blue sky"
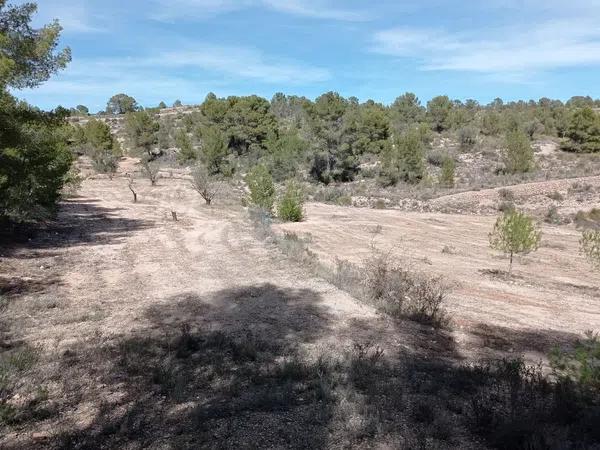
182 49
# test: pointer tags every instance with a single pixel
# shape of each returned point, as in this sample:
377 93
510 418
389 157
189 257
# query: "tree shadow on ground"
505 339
265 367
81 222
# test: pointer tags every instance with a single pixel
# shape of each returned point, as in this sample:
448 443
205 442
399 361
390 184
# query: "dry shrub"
393 286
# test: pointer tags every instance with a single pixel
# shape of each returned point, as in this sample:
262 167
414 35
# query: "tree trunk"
510 264
134 197
174 214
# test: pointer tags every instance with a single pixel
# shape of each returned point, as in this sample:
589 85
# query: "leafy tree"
121 104
80 110
285 152
177 104
583 131
579 101
214 150
34 158
333 124
491 123
590 246
290 110
143 132
27 56
291 205
406 111
439 113
97 135
186 150
371 130
518 157
204 183
447 174
404 160
162 105
164 133
515 233
262 189
247 123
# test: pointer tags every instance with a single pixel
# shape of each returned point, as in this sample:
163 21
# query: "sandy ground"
553 293
109 270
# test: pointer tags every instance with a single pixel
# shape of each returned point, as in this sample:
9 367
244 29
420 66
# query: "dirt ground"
111 283
552 294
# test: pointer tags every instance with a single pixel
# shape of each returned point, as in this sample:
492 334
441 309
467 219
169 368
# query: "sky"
163 50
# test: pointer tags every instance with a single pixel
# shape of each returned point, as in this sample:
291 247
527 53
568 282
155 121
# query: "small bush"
580 187
557 196
506 207
105 162
402 292
590 246
467 137
205 184
552 216
447 174
582 364
519 156
291 205
379 204
436 157
262 189
151 169
506 194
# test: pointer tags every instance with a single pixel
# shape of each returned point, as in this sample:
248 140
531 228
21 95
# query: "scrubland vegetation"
123 328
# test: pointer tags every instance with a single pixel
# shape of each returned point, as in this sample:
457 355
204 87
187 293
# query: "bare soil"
151 333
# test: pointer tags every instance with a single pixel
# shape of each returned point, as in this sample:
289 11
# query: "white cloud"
171 74
74 16
316 10
235 62
169 10
536 47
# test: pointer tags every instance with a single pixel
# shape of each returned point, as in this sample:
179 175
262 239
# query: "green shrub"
262 189
583 131
447 175
404 161
582 364
186 150
291 205
518 157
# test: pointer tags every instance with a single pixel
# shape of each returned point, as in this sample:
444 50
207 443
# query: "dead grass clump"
580 187
394 288
557 196
506 195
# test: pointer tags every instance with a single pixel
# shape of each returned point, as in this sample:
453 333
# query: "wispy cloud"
178 73
75 16
169 10
537 47
234 62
